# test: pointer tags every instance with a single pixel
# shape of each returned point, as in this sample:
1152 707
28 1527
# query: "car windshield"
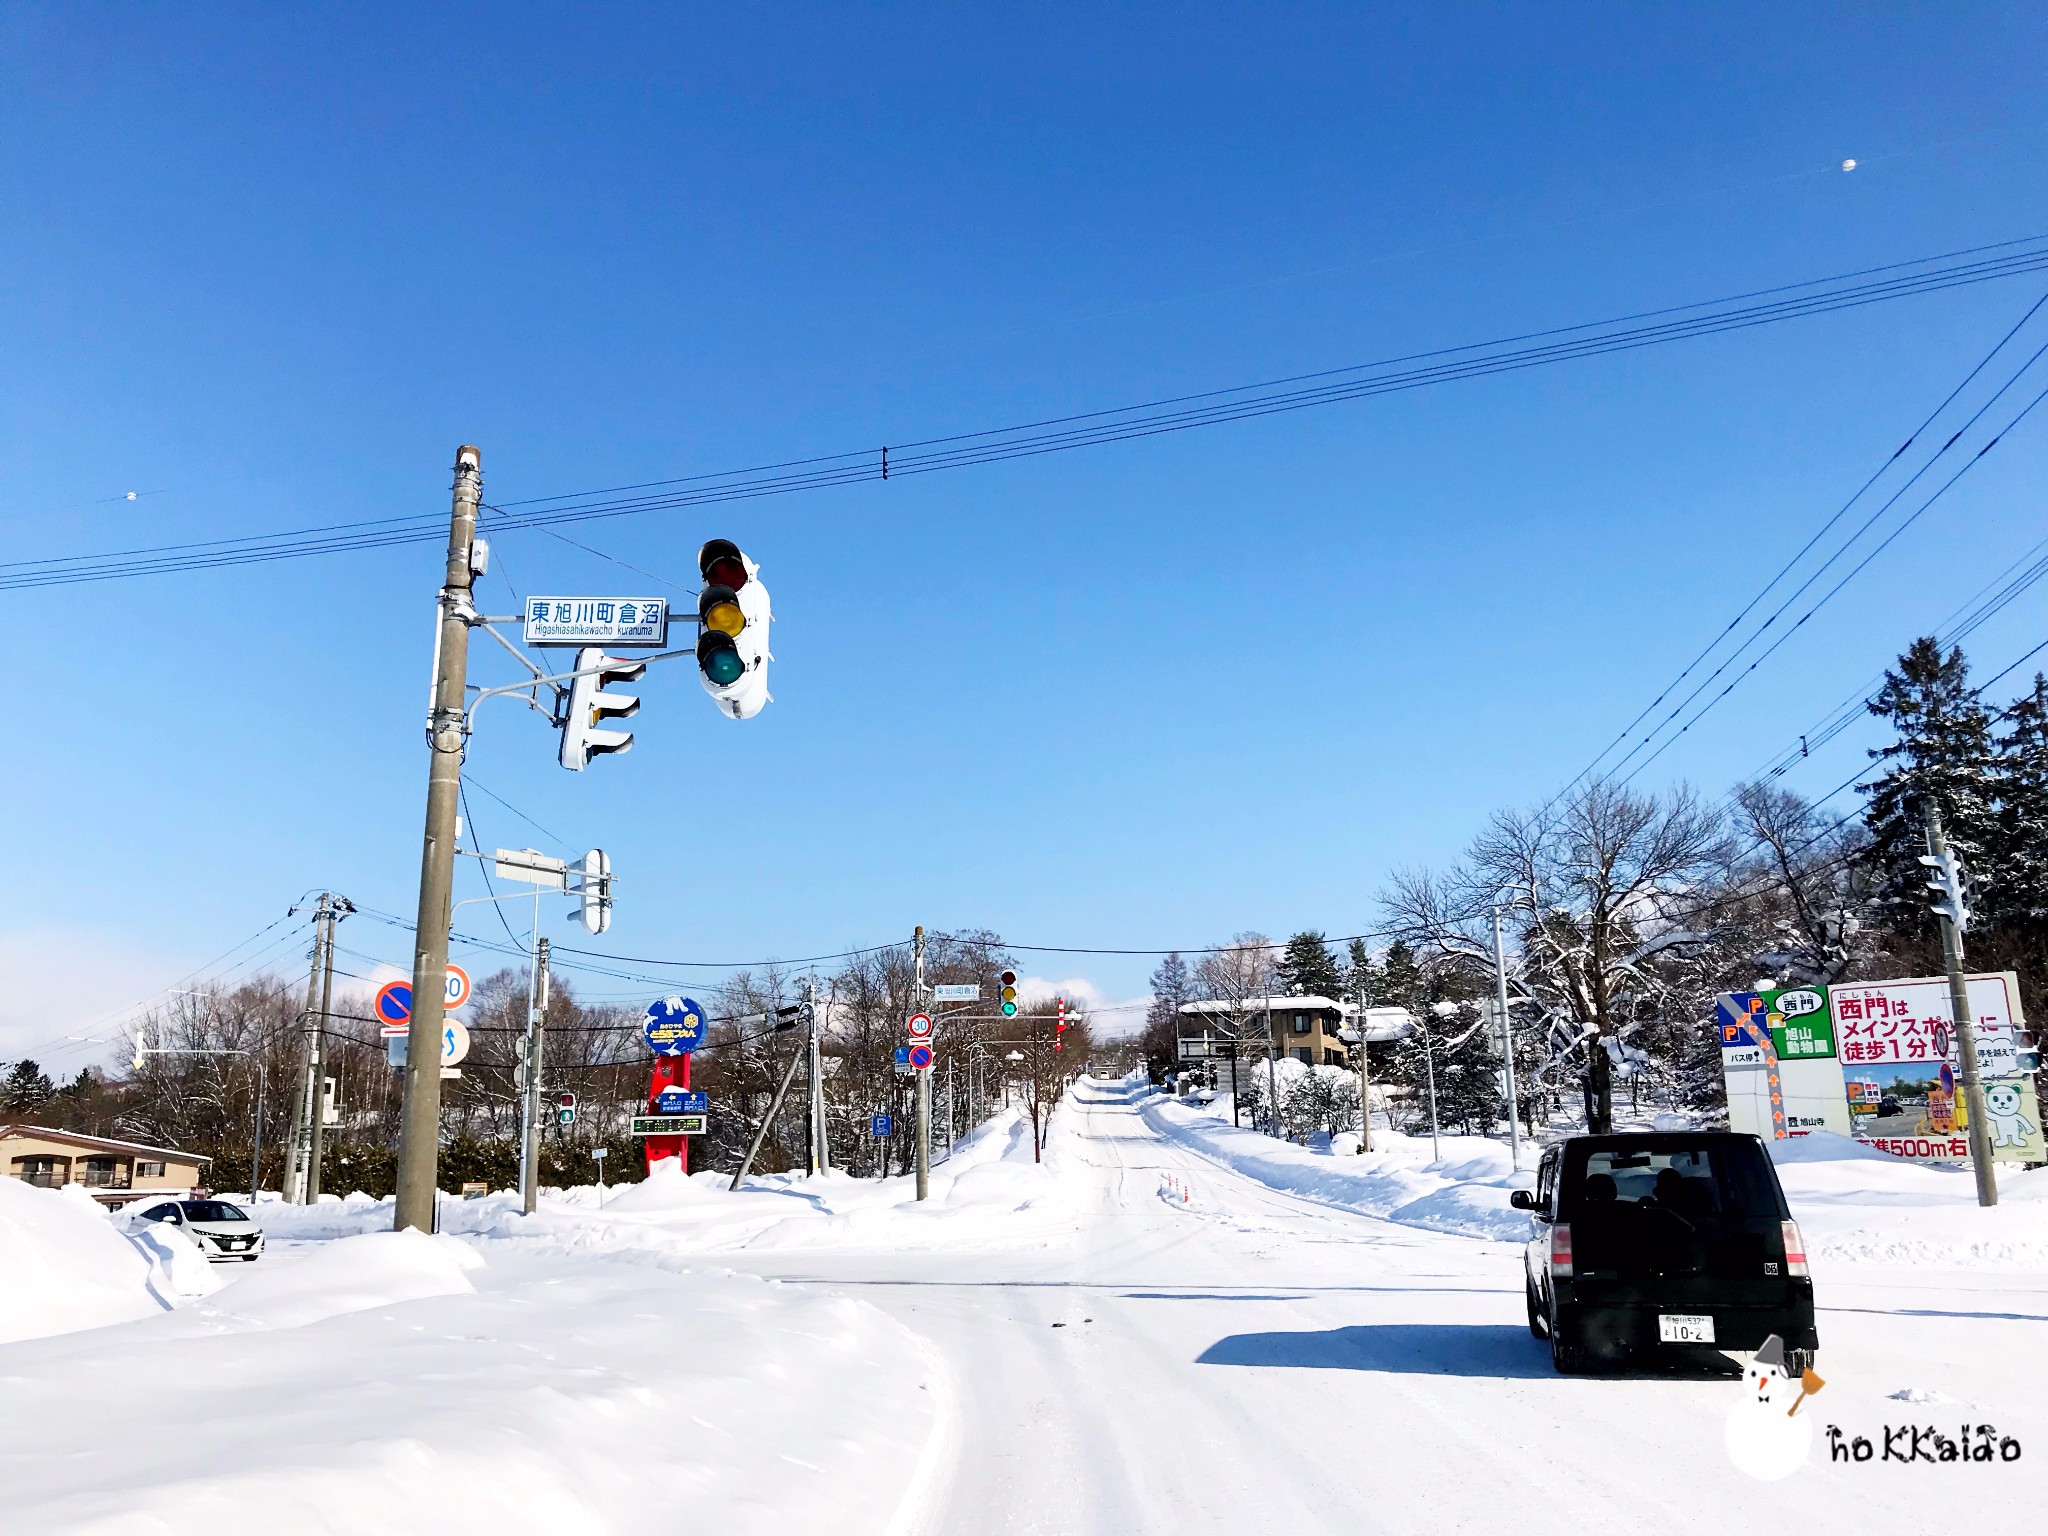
213 1210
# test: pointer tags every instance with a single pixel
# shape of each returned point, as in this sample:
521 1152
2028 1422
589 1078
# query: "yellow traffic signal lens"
725 617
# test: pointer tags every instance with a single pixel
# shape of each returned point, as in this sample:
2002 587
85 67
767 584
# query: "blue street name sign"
674 1026
681 1101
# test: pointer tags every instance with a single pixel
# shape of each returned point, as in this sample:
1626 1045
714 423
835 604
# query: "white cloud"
1108 1018
64 982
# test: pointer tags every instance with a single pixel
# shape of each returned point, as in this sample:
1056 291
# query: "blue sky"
272 265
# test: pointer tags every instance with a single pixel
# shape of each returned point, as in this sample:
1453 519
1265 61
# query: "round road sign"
394 1002
674 1026
454 1042
458 987
921 1058
918 1026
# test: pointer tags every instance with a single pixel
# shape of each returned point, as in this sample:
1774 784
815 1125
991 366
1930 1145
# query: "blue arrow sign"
674 1026
681 1101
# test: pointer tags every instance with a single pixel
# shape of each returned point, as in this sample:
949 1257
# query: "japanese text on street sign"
674 1026
597 621
1911 1020
681 1101
957 992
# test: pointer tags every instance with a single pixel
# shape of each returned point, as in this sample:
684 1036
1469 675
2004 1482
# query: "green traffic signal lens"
719 659
1008 1009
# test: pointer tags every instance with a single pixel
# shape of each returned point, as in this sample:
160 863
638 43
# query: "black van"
1664 1245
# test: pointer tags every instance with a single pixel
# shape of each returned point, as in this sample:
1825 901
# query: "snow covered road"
1211 1354
1169 1326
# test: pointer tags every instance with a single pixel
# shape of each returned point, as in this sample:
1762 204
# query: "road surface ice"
1162 1327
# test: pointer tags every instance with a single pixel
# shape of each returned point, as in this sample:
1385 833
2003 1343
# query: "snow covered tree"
1944 753
1307 966
2022 887
25 1089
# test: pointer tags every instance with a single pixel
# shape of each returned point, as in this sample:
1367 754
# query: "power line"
1097 428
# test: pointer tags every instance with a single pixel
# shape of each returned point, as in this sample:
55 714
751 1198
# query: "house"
1304 1028
114 1172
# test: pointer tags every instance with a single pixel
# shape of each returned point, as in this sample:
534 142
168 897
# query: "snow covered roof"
106 1143
1262 1004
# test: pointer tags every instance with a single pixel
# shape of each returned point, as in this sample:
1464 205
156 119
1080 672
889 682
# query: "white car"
223 1232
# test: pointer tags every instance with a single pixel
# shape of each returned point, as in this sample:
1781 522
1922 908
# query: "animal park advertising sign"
1878 1061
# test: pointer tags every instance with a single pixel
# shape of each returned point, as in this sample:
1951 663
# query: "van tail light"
1795 1250
1561 1251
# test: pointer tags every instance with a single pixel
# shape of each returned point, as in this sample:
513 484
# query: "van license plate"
1684 1328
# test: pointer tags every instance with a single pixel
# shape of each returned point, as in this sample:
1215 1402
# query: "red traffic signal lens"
721 563
1009 978
719 659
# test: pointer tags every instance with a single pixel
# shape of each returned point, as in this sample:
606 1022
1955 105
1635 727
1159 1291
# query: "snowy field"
1168 1325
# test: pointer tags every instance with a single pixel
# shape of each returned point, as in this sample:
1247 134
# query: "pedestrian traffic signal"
732 636
589 702
596 891
1009 993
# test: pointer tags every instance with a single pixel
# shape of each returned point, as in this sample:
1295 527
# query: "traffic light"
1009 993
582 738
565 1109
1950 887
596 891
732 637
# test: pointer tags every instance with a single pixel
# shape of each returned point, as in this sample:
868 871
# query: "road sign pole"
536 1055
419 1136
918 1002
1507 1042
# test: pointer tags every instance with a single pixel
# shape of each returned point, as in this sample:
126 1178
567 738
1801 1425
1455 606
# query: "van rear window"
1721 1178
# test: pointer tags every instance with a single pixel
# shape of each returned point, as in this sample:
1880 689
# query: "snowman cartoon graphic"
2004 1109
1766 1435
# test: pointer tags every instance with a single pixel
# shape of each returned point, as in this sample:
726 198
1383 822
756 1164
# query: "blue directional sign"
881 1125
681 1101
674 1026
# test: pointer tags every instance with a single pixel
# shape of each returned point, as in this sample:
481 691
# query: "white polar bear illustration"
2003 1103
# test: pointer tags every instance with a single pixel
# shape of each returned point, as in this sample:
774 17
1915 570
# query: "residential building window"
105 1173
39 1171
149 1170
1305 1056
1301 1022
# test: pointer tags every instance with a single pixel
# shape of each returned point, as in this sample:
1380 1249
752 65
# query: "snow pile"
396 1382
1858 1204
1465 1192
64 1266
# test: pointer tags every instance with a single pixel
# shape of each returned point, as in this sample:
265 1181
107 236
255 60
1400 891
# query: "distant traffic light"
582 738
596 891
565 1109
1009 993
732 638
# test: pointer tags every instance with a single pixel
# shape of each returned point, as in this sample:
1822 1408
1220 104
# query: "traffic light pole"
419 1135
1979 1128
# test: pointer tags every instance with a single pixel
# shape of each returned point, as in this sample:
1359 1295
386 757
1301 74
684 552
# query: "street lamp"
143 1051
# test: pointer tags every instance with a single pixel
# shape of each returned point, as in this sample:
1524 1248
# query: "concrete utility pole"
529 1100
1507 1042
815 1091
1979 1128
1272 1073
419 1136
301 1181
920 1001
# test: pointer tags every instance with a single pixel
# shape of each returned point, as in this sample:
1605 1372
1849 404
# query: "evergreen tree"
1943 753
1361 976
1307 964
1172 985
1400 980
2022 884
25 1089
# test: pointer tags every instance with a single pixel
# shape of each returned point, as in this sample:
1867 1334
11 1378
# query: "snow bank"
1466 1192
1857 1204
352 1274
64 1266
